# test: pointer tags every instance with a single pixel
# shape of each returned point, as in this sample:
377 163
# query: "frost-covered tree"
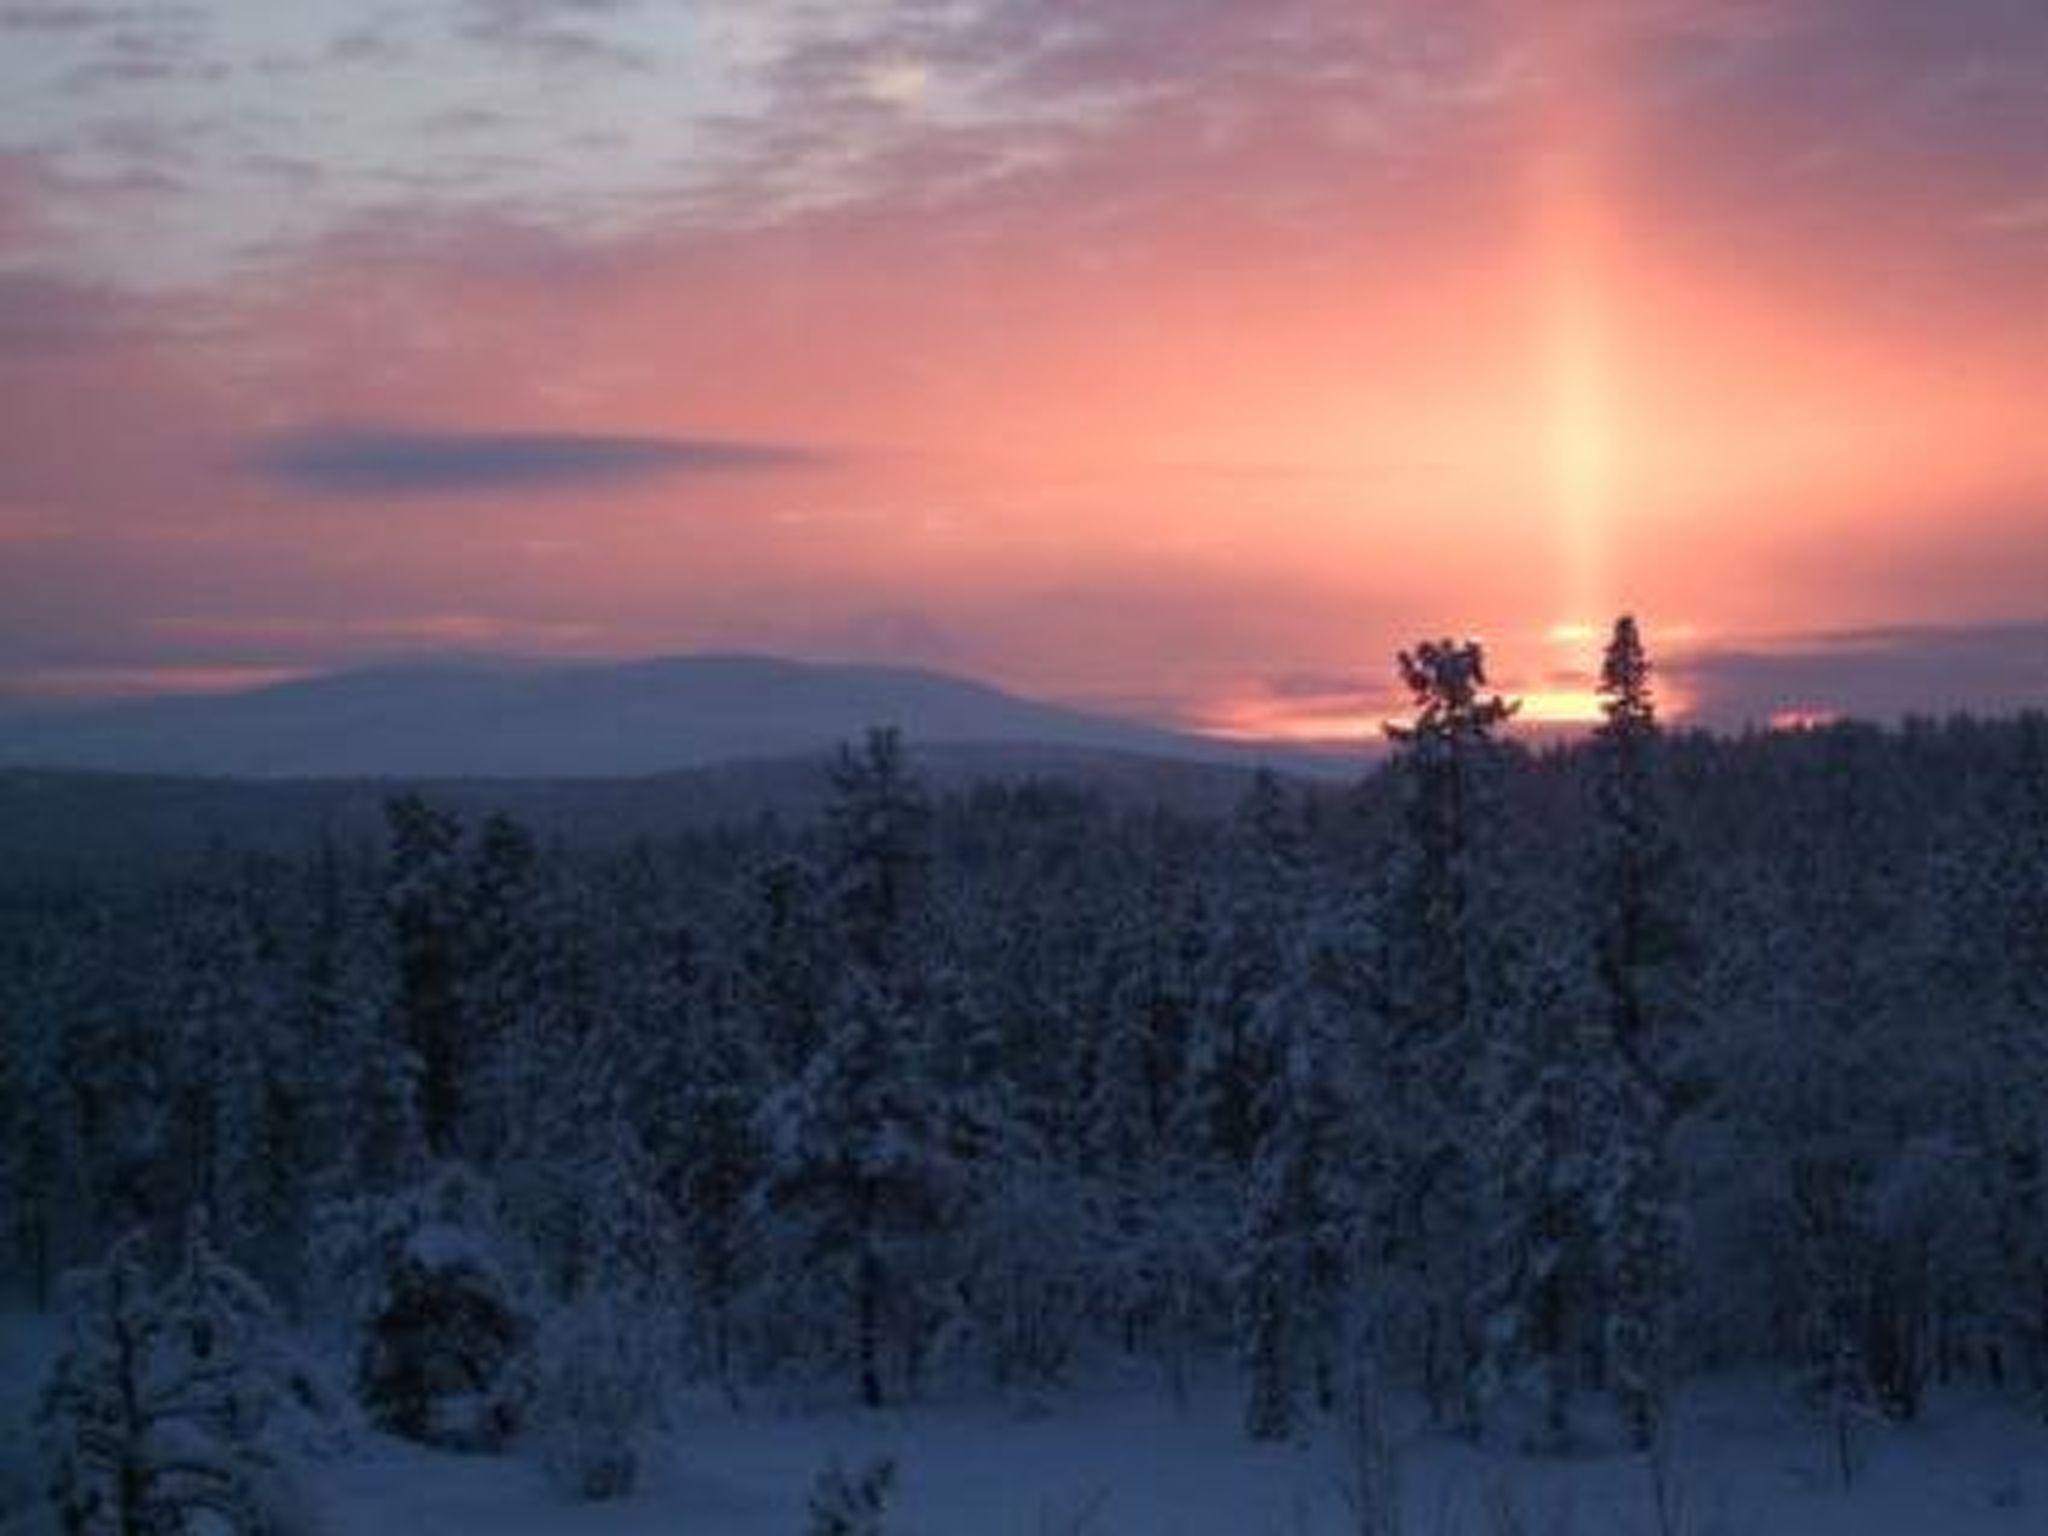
574 1169
437 1297
1298 1239
32 1152
1232 1062
708 1163
859 1175
879 821
501 980
1640 950
2009 942
424 903
786 963
1539 1266
241 1113
1030 1278
168 1410
1442 901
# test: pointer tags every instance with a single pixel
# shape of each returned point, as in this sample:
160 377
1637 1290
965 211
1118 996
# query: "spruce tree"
165 1412
1639 947
1297 1231
424 905
879 821
1539 1262
499 963
1438 968
858 1172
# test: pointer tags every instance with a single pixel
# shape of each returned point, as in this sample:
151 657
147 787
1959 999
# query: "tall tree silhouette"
1435 959
1639 943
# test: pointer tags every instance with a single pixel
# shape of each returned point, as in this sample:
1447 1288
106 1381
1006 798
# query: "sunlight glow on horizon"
1109 372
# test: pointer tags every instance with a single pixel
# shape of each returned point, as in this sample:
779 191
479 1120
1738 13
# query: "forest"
1525 1084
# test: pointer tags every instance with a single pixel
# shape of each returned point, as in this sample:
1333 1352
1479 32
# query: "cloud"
145 46
25 186
1873 674
62 18
398 461
42 315
557 32
1324 687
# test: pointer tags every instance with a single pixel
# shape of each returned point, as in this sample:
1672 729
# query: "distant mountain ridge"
504 719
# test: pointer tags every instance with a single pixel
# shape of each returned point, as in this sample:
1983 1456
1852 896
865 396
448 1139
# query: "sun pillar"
1573 276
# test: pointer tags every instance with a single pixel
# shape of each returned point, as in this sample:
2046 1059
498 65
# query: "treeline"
1533 1082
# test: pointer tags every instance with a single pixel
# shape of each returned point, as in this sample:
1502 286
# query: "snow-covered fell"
506 719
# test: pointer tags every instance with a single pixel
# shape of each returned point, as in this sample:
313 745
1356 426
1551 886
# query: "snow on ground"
1130 1463
28 1344
1124 1460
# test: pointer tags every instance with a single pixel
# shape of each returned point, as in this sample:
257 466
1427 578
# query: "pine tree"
31 1144
1539 1265
1639 946
786 962
2015 1099
1231 1058
879 820
1438 966
438 1293
424 903
858 1170
221 1018
705 1152
499 967
162 1414
572 1169
1298 1232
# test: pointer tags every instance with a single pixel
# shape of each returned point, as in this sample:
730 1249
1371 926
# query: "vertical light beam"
1573 273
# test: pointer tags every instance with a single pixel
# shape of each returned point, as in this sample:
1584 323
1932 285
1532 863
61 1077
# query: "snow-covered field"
1126 1460
1131 1463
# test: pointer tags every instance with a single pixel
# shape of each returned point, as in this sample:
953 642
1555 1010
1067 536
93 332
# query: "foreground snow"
1126 1461
1130 1463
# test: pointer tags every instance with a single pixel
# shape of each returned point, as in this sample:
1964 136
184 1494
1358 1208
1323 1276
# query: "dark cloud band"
1879 674
377 461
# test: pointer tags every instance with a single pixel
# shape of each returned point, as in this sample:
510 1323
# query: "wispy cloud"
559 32
399 461
42 315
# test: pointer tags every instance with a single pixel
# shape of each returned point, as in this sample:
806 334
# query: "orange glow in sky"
1185 370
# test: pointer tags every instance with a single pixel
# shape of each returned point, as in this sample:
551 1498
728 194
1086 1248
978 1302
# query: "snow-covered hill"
505 719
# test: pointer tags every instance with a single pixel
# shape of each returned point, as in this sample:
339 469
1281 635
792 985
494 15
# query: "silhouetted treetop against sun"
1447 679
1626 700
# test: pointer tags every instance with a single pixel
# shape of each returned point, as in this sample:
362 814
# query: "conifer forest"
1515 1086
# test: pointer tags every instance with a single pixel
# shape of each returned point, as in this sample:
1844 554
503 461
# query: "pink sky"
1175 356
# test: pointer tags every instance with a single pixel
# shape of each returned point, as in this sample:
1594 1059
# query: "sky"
1176 357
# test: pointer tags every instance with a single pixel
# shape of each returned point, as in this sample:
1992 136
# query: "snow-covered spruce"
439 1308
176 1404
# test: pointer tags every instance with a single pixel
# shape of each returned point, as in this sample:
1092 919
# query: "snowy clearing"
1128 1462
